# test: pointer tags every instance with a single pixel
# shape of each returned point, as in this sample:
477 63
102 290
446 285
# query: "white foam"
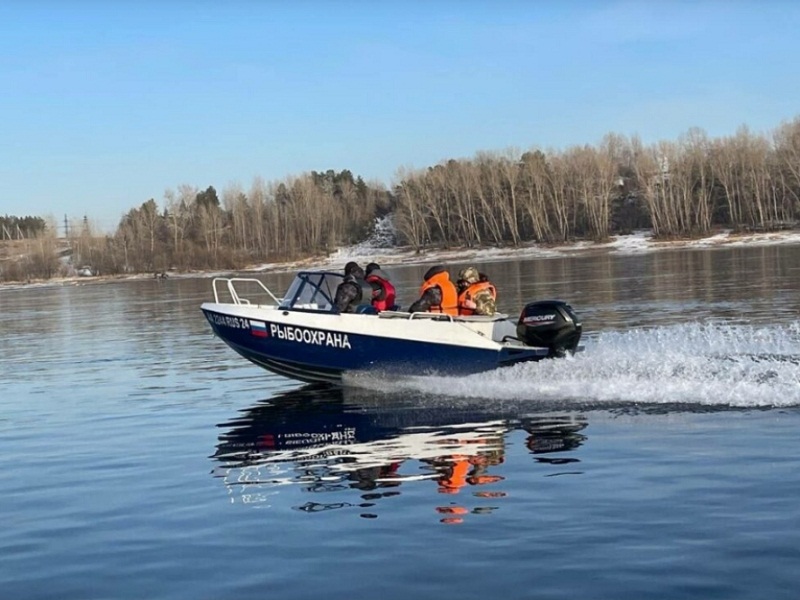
703 364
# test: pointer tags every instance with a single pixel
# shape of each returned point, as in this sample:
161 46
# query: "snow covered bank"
635 243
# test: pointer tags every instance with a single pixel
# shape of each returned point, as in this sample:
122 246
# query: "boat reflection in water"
351 448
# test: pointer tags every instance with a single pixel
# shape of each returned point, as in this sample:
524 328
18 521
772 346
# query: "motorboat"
302 335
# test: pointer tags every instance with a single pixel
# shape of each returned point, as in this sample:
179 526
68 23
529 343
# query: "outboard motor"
551 324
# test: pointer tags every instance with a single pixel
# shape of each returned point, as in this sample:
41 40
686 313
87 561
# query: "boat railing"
229 284
396 314
443 317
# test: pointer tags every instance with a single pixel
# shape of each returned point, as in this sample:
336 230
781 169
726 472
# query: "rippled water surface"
141 458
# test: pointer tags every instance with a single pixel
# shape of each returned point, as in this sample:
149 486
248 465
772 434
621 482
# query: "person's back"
384 296
438 294
477 295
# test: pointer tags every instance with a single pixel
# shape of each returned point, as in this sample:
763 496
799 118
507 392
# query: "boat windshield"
312 290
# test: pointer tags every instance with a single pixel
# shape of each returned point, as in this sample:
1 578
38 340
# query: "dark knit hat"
350 267
434 271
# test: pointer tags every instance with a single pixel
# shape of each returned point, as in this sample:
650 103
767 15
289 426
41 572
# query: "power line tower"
66 227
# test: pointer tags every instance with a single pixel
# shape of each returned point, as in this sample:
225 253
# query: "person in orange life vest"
384 295
437 294
479 476
476 294
454 475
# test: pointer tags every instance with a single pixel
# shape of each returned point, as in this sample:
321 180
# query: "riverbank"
634 243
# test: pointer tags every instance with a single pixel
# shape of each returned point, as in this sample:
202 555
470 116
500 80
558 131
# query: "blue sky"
107 104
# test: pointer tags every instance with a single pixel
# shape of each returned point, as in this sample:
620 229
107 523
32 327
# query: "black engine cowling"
551 324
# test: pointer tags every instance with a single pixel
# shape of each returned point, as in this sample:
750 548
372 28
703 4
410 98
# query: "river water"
141 458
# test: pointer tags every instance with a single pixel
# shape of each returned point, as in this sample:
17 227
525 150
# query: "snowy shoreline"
639 242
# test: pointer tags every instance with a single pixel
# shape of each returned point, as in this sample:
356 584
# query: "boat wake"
715 365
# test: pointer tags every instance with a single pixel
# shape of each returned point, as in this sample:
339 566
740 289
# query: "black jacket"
431 297
352 292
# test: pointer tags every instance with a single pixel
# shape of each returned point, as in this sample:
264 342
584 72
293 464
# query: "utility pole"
66 227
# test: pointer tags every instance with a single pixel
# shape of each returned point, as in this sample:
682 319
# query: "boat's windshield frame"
312 290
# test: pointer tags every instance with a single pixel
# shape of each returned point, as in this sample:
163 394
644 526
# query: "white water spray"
705 364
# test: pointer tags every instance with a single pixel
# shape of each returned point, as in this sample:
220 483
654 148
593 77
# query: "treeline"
20 228
201 229
679 189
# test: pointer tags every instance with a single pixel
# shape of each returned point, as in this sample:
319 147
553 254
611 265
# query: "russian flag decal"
258 329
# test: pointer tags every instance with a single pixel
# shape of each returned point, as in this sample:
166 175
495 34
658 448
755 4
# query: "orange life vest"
456 479
449 303
469 294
